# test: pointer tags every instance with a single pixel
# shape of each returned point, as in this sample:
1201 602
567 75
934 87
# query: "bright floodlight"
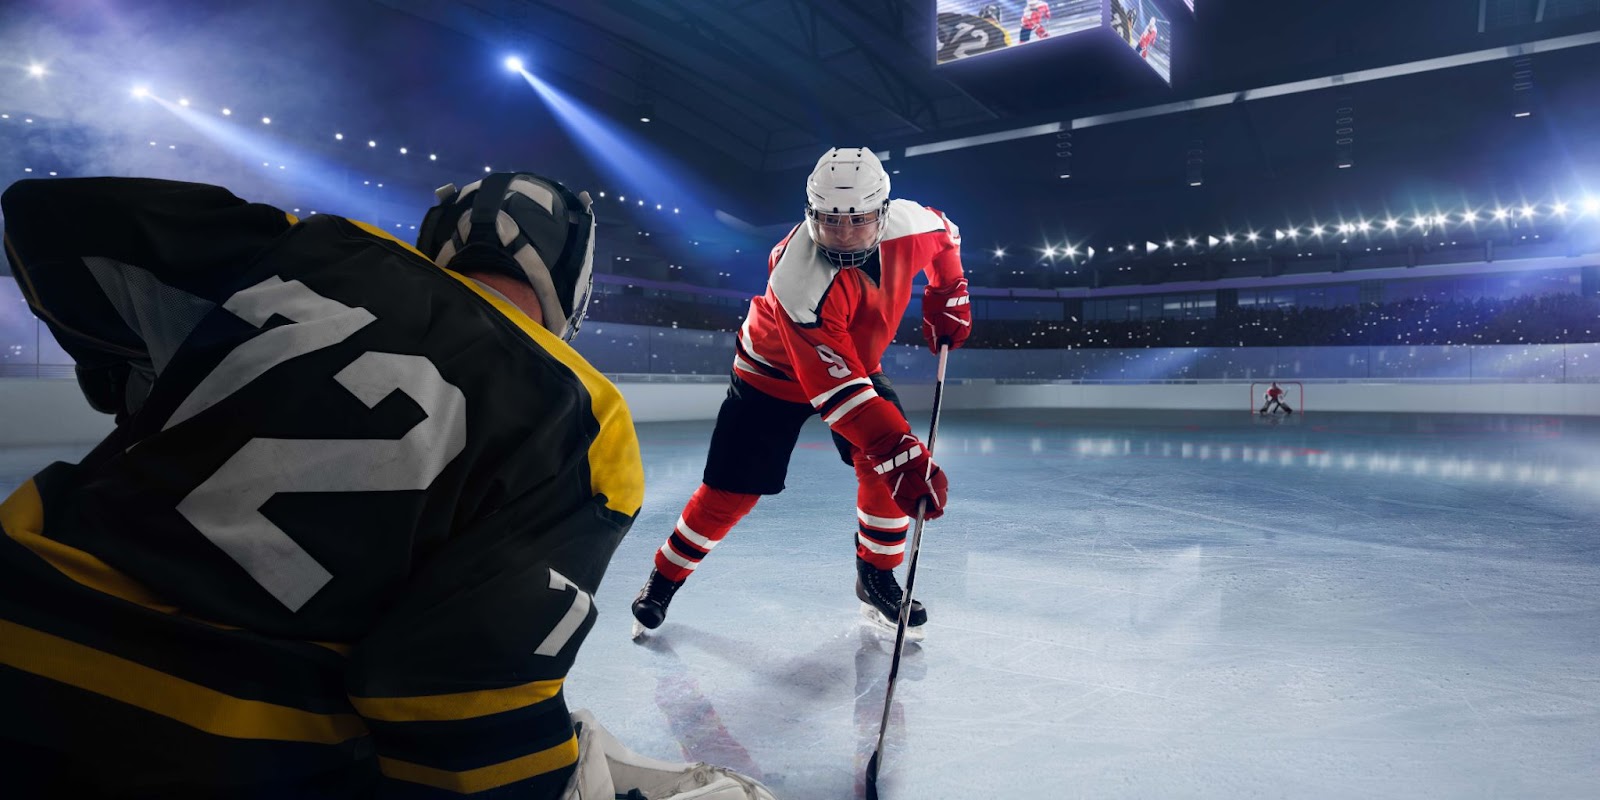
1502 213
227 112
1191 242
183 101
1391 223
402 151
1591 205
1559 208
999 253
1071 250
36 70
371 143
1252 236
1169 244
1049 252
266 120
644 119
338 137
141 92
513 63
1527 211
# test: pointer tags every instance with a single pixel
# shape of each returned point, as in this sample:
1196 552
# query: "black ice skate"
880 600
650 607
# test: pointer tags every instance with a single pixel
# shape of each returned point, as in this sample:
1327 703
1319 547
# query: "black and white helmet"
847 205
525 226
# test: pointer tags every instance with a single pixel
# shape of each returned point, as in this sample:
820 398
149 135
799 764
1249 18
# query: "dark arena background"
1148 583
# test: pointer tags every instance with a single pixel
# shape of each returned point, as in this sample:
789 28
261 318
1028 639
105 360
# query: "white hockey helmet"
847 205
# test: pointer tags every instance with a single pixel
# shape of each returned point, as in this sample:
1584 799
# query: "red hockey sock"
880 524
708 517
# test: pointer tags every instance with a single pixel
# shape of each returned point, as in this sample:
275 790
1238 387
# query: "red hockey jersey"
819 330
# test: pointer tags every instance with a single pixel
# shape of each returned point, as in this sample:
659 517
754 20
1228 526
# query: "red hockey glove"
912 476
946 314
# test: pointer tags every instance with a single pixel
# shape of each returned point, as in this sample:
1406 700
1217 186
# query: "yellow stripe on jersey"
189 703
614 466
461 705
484 778
22 517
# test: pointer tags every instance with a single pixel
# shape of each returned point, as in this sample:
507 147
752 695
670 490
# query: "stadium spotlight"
1191 242
1169 244
1252 236
339 137
1591 205
266 120
513 63
371 143
1560 209
403 151
1527 211
1071 251
227 112
141 92
999 252
183 101
1391 224
1048 251
1502 213
36 70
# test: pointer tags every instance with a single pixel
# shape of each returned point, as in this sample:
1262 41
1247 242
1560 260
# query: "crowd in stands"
1545 319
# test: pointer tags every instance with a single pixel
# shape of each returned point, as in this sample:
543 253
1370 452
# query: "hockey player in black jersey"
344 539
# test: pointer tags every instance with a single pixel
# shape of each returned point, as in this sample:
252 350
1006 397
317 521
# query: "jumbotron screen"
1147 31
976 27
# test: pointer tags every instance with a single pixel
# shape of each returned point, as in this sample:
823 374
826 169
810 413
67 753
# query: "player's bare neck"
519 293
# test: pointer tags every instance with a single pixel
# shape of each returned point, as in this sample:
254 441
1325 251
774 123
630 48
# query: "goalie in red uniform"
838 286
1274 401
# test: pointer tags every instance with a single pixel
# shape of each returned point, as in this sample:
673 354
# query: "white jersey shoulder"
801 278
909 218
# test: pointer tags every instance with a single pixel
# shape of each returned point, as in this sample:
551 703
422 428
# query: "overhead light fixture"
513 63
141 92
36 70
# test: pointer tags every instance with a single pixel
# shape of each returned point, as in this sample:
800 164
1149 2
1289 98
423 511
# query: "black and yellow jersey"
345 536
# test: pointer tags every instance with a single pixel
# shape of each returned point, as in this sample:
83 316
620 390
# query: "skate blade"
639 630
872 615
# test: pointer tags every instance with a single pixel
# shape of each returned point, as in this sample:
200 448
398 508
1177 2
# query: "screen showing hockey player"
1147 31
973 27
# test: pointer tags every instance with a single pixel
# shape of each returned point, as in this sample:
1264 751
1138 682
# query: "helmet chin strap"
483 257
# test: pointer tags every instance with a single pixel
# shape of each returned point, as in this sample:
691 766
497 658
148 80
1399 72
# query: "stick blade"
872 777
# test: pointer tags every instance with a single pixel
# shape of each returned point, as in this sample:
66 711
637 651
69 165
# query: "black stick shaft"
911 580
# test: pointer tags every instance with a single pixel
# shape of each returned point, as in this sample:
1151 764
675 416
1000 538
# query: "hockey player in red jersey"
1147 40
838 286
1034 19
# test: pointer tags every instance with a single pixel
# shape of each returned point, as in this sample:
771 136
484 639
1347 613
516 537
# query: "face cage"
848 258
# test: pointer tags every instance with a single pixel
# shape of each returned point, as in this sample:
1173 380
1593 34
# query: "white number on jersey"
226 507
576 614
839 369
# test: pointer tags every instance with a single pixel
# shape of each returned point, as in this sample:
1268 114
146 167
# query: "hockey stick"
911 581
